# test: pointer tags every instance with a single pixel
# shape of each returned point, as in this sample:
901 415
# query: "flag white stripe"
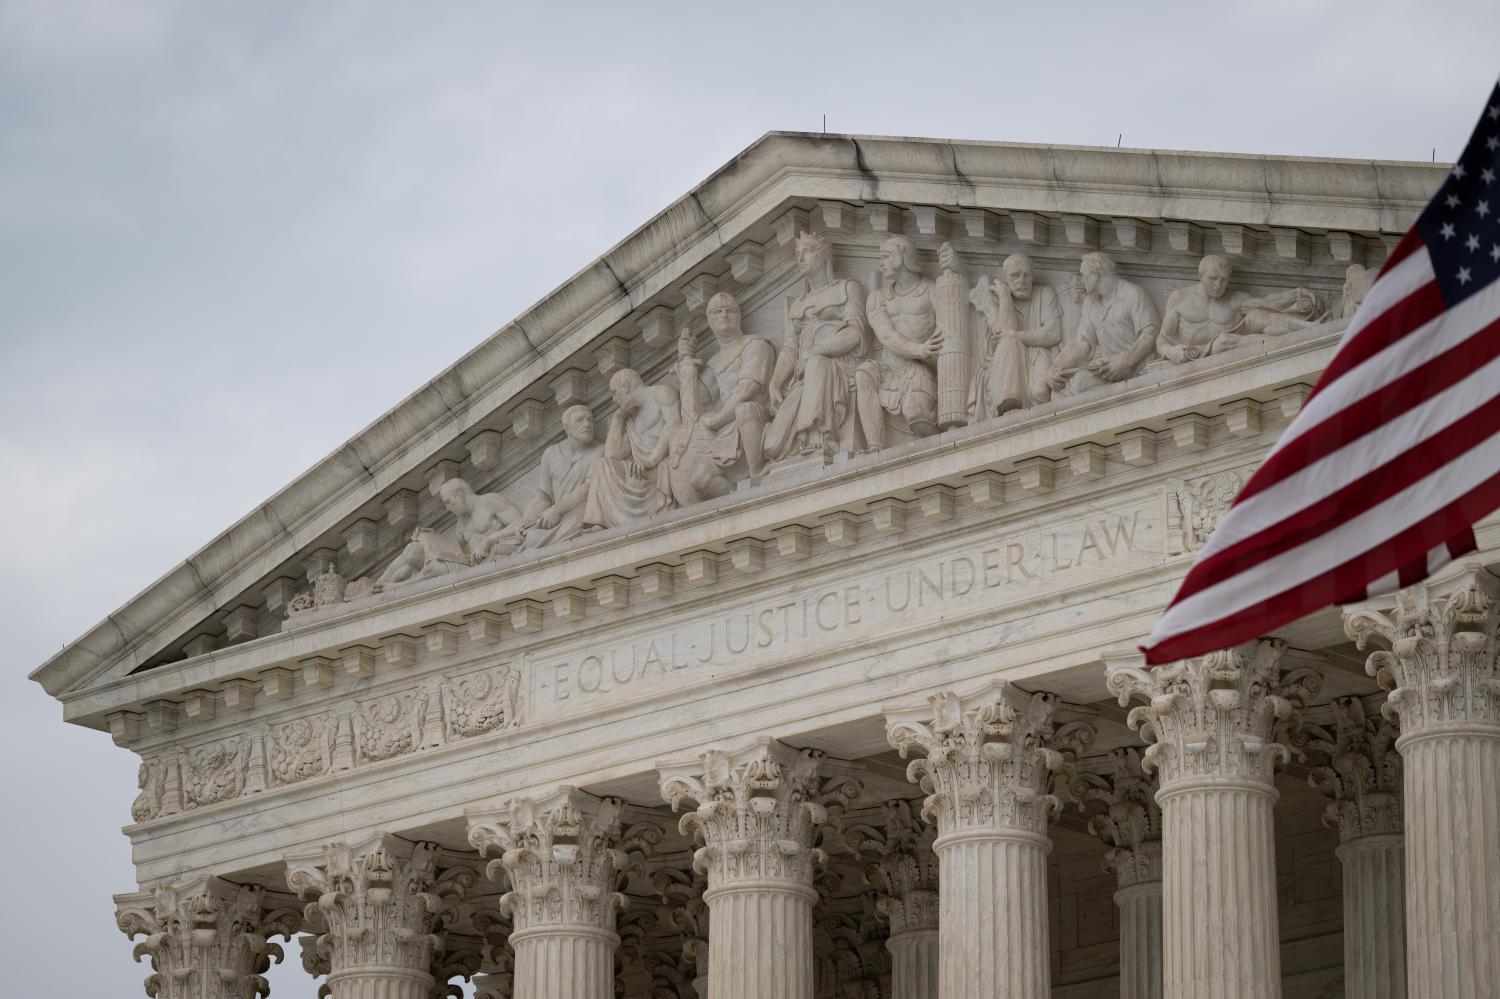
1298 491
1333 472
1389 364
1363 533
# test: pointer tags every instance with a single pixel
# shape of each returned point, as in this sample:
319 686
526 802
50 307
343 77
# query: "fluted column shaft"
1140 940
757 813
379 983
564 854
1452 789
1442 669
1374 918
565 962
992 927
991 759
1216 724
1220 927
914 964
760 940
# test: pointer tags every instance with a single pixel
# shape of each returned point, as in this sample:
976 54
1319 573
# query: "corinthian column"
757 814
903 869
1130 825
383 908
206 939
991 759
565 855
1214 723
1444 683
1360 771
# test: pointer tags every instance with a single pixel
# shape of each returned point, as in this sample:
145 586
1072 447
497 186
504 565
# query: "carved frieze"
854 370
281 753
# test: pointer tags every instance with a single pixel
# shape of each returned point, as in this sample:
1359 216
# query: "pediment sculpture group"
856 372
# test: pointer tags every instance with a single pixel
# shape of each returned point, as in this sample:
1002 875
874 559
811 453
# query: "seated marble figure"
726 394
812 385
1022 323
896 390
557 514
1205 318
1115 335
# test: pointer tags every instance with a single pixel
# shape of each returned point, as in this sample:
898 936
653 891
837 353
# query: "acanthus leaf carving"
1123 813
206 939
564 855
992 758
1357 768
1225 714
757 811
1441 667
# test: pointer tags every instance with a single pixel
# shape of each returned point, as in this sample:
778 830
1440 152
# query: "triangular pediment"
1285 223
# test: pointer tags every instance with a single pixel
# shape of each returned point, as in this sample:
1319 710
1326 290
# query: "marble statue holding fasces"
812 385
896 390
1023 324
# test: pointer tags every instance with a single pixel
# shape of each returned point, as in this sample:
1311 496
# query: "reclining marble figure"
479 532
1204 318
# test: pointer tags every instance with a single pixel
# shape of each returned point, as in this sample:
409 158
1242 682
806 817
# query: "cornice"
742 198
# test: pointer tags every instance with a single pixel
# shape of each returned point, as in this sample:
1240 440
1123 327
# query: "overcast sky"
233 234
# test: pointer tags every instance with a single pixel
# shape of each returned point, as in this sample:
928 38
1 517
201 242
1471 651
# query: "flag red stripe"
1374 487
1336 585
1377 409
1399 321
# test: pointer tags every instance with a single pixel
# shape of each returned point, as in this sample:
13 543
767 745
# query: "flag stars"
1447 232
1452 201
1493 113
1459 171
1482 209
1464 277
1492 143
1495 253
1472 243
1487 175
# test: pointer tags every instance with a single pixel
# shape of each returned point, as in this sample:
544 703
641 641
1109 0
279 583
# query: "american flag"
1396 452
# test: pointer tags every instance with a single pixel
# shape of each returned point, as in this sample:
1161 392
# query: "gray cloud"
231 235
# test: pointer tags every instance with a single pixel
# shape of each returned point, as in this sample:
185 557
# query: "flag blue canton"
1461 227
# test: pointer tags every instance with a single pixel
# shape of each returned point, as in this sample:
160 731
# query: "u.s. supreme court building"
755 617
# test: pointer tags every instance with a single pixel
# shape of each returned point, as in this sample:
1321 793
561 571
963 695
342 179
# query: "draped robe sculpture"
812 385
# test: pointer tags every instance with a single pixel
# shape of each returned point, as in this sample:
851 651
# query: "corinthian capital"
992 757
757 810
565 855
206 939
901 867
1358 768
1125 816
1441 667
381 903
1220 715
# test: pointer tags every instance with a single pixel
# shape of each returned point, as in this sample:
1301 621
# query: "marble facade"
754 617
